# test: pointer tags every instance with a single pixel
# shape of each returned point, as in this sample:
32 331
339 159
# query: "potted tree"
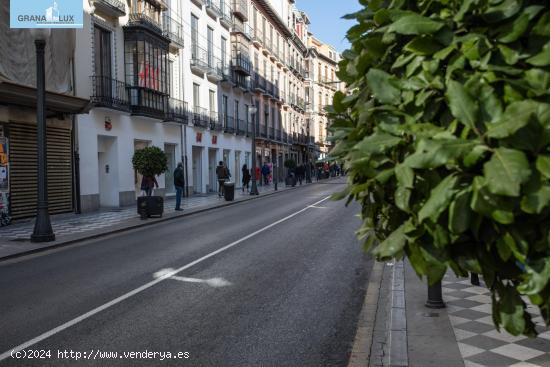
290 164
150 162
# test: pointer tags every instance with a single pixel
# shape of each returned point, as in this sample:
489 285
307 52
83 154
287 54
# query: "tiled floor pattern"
479 342
73 224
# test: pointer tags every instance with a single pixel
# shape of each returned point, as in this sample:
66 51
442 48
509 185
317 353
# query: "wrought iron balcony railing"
213 8
241 127
215 124
226 18
114 7
148 102
241 63
177 111
110 93
229 124
240 9
172 29
199 58
147 19
200 117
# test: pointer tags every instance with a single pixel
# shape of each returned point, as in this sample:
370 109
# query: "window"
236 113
224 51
194 34
146 65
212 101
196 95
102 52
210 42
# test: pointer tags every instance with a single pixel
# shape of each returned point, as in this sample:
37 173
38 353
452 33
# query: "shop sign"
214 139
199 138
46 14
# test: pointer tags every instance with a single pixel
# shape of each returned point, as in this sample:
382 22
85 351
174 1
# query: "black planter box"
148 206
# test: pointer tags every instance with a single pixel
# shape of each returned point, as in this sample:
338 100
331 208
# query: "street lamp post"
254 188
43 231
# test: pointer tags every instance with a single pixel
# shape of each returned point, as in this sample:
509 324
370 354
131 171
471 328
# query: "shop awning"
21 95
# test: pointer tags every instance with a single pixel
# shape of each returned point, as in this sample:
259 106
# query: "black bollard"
474 279
435 296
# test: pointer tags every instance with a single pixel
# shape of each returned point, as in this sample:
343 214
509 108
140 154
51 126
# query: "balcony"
177 111
214 73
241 63
200 117
242 28
278 136
271 133
198 3
261 131
241 127
215 124
173 30
109 93
228 124
225 19
114 8
149 20
213 8
268 91
240 9
199 60
147 102
258 83
249 127
285 137
242 83
227 77
257 37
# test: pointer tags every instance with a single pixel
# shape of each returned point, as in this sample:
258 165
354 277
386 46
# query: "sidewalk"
70 227
406 333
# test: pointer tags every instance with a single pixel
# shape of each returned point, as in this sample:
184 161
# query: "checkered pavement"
480 344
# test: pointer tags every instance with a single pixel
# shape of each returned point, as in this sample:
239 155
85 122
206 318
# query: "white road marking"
213 282
318 207
162 276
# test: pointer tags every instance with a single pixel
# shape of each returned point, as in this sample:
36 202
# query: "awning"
21 95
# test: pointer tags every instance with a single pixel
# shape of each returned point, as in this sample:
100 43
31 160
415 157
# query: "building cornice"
272 14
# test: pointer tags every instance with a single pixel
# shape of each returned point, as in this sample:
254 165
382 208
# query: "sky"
326 23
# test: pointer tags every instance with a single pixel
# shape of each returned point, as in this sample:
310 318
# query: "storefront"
5 216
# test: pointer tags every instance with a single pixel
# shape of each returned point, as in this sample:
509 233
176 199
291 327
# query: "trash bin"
229 191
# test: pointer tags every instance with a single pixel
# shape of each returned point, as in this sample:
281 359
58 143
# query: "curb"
151 221
360 354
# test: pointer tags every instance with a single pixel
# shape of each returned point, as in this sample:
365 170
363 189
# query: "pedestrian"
148 183
246 177
265 173
179 184
223 175
300 173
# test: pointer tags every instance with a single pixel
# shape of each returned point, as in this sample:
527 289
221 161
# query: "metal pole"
474 279
43 231
435 296
254 188
275 168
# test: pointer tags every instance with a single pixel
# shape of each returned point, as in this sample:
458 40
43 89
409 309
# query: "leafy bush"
446 135
290 164
150 161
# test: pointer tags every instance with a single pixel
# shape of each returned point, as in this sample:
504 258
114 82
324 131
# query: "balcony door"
210 40
102 62
194 36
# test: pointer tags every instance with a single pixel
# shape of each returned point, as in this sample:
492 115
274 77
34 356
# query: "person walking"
265 173
300 173
179 184
223 175
246 177
148 183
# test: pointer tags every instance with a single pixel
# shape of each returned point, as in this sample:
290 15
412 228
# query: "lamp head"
253 110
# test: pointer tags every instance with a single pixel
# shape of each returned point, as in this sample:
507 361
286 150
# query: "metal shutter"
23 175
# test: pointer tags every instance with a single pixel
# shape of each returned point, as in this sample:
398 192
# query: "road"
275 281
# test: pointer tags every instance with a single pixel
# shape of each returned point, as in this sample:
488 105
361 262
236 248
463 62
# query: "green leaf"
405 176
402 198
518 28
536 199
510 56
539 80
542 28
542 58
439 200
511 310
462 105
516 116
538 276
391 245
484 202
475 155
504 10
506 171
543 165
432 153
423 46
460 213
377 143
415 24
383 86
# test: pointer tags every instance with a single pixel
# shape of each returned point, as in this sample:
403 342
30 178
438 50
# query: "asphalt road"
269 282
